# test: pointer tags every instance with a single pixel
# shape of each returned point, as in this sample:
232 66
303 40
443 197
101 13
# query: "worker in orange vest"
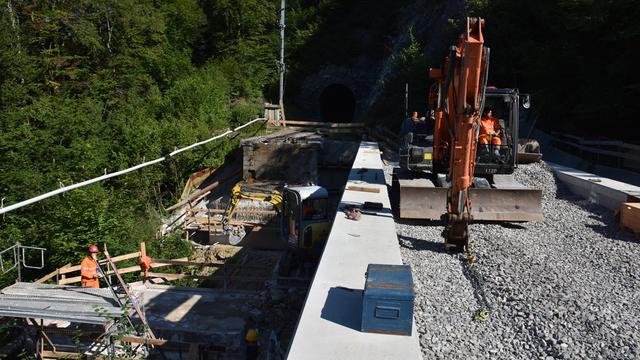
490 131
89 268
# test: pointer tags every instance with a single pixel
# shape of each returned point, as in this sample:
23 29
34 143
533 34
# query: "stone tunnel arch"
337 104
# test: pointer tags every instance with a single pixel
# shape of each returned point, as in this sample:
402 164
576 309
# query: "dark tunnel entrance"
337 104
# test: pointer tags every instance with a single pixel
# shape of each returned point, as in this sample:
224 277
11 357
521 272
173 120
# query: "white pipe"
121 172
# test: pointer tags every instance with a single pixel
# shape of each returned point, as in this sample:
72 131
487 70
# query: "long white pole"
121 172
282 64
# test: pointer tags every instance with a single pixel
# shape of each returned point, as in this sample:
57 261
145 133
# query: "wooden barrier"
61 273
61 278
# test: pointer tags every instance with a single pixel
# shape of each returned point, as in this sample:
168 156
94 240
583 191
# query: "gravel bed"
564 288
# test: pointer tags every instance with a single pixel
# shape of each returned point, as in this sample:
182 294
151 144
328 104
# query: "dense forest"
576 57
94 86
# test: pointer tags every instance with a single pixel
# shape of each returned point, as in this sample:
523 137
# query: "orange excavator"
449 177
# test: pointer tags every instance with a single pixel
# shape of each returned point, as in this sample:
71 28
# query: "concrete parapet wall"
329 326
597 189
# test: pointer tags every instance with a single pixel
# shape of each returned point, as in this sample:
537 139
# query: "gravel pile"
564 288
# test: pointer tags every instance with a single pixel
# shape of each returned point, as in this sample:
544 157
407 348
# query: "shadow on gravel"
612 231
506 225
476 280
609 226
418 222
420 245
344 307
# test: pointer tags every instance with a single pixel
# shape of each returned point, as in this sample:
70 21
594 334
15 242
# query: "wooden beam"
102 262
214 221
630 217
171 277
67 355
203 192
49 276
204 264
77 279
363 189
163 344
323 124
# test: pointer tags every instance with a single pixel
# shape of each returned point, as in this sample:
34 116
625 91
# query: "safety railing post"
17 259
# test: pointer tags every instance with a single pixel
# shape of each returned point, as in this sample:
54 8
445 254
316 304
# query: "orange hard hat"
252 335
93 249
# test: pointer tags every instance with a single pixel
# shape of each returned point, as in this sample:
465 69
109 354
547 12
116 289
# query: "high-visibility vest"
489 125
88 269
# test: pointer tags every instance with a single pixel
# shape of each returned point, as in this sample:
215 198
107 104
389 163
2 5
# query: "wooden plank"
156 263
630 217
213 221
170 277
102 262
363 189
51 275
168 344
66 355
185 262
203 192
77 279
323 124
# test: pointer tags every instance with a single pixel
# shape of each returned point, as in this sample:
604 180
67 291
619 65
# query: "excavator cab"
305 218
500 159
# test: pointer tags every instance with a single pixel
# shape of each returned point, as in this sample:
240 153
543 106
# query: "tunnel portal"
337 104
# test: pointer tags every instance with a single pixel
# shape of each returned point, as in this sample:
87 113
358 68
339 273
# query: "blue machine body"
387 306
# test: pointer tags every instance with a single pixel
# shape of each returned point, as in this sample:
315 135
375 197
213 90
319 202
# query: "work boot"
484 149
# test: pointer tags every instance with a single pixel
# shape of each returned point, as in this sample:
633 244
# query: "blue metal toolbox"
387 304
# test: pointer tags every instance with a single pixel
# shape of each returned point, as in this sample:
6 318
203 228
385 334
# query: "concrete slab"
198 315
597 189
329 326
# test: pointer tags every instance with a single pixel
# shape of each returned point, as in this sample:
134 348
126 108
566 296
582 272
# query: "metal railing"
19 259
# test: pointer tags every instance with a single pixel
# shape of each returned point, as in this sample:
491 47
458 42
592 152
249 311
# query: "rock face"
563 288
375 61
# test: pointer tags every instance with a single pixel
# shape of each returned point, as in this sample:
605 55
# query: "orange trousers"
93 283
484 139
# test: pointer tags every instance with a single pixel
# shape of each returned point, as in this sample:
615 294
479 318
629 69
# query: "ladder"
124 286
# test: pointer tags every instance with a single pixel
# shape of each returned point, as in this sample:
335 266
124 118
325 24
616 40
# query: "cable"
121 172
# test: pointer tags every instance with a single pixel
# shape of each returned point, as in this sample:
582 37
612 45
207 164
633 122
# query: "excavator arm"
459 99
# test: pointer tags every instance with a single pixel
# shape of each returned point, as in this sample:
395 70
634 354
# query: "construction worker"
409 124
490 131
89 268
414 125
252 344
